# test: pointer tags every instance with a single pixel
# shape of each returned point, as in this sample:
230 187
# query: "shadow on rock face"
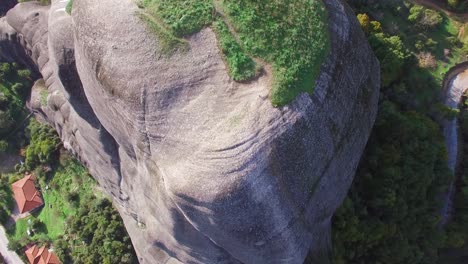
6 5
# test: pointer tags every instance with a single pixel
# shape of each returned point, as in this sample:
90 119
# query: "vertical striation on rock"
202 169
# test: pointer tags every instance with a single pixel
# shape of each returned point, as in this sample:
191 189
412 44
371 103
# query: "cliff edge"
201 168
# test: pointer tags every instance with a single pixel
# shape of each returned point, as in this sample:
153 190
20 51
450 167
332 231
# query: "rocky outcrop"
202 169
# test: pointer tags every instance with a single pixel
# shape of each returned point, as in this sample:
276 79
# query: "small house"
26 195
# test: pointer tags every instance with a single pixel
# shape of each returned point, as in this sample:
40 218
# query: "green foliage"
241 66
181 17
69 7
391 53
82 225
99 228
44 94
424 17
453 3
13 81
364 20
3 146
43 144
291 35
43 2
391 213
6 199
24 73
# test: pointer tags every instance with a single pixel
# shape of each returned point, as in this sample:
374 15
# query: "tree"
43 144
391 53
453 3
424 17
364 20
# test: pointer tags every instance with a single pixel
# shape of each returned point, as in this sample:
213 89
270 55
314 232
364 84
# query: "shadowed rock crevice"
68 75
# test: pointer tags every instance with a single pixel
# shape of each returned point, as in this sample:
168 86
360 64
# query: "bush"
24 73
3 146
69 7
43 145
295 41
73 197
424 17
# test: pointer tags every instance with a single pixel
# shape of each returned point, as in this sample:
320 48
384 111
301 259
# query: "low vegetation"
241 66
181 17
95 235
43 2
290 35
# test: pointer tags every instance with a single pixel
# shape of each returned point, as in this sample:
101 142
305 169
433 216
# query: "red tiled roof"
26 195
41 256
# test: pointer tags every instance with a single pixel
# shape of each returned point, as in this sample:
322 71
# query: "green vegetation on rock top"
181 17
290 35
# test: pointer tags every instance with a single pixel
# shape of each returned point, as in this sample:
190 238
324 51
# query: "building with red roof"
27 196
41 256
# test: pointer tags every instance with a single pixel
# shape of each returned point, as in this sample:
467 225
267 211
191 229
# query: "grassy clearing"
69 184
181 17
291 35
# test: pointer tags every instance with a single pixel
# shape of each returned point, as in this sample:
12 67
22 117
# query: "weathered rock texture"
202 169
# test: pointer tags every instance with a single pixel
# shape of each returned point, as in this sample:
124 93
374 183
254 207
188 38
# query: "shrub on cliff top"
292 36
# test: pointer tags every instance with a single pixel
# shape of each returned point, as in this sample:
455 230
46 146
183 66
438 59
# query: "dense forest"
391 214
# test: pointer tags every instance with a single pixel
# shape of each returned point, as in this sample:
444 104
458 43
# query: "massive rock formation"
201 168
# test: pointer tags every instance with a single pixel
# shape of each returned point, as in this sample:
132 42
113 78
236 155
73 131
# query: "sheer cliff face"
202 169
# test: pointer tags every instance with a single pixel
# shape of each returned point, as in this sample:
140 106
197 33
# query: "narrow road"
450 128
9 256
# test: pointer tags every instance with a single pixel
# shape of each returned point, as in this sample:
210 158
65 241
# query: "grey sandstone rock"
202 169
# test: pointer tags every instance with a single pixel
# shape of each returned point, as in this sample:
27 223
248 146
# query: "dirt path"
433 4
